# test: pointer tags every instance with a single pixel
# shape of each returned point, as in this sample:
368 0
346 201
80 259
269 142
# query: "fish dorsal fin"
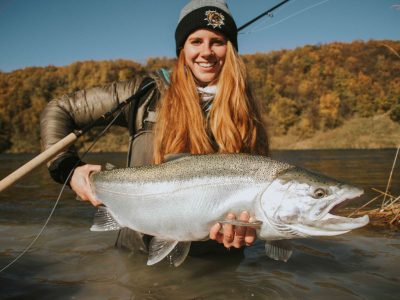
279 250
255 224
104 221
175 156
108 167
159 249
178 255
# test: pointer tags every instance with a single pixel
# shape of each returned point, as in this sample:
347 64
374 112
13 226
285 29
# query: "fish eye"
319 193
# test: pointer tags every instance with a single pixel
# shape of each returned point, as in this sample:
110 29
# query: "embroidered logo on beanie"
214 18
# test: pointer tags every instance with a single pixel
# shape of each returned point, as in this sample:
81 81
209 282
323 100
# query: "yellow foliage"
283 113
329 105
304 89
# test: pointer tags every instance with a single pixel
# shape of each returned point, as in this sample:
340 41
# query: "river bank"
377 132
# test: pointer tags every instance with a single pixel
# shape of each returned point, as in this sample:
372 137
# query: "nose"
206 50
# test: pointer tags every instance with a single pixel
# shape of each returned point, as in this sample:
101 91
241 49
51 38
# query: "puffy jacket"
74 111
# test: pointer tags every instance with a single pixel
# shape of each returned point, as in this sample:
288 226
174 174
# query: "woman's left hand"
234 236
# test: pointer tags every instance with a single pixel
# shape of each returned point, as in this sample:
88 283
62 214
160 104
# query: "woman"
204 107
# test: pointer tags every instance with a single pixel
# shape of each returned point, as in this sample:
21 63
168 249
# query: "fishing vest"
142 119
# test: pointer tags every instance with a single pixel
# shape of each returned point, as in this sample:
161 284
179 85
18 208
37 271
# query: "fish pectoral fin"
279 250
255 224
178 255
159 249
104 221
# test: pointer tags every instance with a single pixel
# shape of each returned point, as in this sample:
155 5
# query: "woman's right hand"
80 183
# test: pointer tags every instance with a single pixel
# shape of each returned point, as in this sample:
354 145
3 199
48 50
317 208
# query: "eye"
218 42
320 193
195 41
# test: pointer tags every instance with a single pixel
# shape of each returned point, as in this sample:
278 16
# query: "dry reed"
388 213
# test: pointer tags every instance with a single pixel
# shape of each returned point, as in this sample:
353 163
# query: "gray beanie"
208 14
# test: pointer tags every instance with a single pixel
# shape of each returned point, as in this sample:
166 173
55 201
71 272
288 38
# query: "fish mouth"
329 224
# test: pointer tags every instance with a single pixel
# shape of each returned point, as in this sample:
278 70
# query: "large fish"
178 201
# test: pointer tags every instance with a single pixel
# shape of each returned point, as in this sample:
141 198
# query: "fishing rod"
69 140
268 12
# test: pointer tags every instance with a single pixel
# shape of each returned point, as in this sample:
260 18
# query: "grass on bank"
388 212
375 132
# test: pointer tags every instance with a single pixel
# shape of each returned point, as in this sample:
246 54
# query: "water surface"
70 262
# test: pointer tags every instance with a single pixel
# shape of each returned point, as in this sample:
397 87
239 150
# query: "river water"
70 262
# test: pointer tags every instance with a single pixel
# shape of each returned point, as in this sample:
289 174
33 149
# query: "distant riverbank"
376 132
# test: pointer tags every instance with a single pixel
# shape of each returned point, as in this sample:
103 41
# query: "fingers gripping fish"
177 202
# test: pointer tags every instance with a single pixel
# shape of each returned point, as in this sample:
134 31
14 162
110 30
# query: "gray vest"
143 116
142 120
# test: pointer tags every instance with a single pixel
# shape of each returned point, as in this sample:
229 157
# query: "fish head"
298 203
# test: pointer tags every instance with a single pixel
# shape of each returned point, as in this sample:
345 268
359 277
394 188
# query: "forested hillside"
306 92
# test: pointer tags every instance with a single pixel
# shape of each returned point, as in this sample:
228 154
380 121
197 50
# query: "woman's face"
205 53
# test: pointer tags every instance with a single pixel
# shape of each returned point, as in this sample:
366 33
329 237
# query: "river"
70 262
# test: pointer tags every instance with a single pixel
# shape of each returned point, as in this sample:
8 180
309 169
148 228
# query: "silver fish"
178 201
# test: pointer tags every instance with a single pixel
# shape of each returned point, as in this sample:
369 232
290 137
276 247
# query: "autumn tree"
283 114
329 105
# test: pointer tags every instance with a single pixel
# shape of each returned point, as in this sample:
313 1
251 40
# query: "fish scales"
190 188
178 201
259 167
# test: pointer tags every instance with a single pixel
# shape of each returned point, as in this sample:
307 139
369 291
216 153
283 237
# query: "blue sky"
59 32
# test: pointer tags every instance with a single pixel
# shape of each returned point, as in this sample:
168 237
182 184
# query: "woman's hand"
234 236
80 183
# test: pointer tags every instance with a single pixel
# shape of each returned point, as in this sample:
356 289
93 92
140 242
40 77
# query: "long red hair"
234 123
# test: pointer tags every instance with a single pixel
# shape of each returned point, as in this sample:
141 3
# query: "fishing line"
287 18
60 194
271 15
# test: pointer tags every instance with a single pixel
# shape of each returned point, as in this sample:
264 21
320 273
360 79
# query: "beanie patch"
214 18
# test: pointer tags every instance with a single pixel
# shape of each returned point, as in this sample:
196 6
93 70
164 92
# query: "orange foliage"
302 90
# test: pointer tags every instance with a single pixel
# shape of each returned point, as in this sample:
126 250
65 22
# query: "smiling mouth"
207 65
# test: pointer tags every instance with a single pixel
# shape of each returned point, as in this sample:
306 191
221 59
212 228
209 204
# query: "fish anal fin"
178 255
104 221
159 249
255 224
279 250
